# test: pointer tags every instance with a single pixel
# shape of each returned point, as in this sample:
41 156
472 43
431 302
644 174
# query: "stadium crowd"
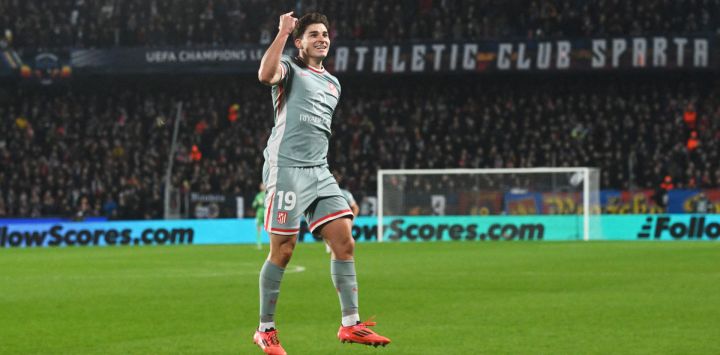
101 148
108 23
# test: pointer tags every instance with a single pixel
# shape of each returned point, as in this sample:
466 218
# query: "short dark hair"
307 20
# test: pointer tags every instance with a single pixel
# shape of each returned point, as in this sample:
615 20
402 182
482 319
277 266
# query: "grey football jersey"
304 102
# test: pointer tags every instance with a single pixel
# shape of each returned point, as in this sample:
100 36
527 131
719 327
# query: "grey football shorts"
296 191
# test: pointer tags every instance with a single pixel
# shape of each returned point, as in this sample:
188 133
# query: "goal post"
563 203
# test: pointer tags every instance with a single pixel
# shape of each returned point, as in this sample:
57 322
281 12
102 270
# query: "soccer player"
349 198
297 177
347 195
258 205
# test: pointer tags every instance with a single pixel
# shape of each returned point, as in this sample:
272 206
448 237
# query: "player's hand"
287 23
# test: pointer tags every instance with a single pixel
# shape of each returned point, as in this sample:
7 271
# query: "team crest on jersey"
333 89
282 217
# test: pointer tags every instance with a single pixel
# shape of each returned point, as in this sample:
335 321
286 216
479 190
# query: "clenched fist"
287 23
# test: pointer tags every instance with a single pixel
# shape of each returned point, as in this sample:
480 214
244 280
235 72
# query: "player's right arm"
271 72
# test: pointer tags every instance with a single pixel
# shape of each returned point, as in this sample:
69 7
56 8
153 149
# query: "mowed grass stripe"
429 298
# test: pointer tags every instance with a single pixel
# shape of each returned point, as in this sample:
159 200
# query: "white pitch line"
296 269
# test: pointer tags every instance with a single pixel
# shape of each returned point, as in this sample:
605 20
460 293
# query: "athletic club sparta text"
696 228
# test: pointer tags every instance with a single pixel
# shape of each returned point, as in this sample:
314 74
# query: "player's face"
315 41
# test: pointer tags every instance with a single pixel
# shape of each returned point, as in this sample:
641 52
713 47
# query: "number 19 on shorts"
286 200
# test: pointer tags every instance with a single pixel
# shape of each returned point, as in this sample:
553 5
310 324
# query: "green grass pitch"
429 298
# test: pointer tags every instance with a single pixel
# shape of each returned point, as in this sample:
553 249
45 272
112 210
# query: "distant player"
258 205
297 177
349 198
351 201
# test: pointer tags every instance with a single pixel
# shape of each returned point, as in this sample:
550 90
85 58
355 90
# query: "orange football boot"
268 342
361 334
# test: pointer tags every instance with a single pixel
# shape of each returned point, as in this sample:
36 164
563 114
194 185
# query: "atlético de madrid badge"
282 217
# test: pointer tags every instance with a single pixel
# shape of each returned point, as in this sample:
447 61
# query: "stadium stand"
108 141
107 23
99 146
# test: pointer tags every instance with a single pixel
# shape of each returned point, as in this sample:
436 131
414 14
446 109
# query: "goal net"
489 204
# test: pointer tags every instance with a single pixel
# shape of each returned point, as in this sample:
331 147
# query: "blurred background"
90 93
142 122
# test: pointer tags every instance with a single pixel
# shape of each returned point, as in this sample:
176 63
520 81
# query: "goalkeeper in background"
258 205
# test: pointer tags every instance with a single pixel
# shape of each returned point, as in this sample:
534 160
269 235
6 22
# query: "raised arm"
270 72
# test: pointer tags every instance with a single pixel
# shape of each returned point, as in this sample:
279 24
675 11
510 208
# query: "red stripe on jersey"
330 216
268 212
278 230
315 70
280 99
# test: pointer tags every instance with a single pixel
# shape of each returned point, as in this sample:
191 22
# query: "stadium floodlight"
506 194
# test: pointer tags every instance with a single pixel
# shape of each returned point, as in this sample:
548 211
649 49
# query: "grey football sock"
270 278
343 276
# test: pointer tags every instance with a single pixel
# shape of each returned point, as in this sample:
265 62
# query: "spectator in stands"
109 141
94 23
702 204
110 207
84 209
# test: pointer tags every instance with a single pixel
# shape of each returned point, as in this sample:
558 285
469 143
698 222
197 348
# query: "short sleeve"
286 68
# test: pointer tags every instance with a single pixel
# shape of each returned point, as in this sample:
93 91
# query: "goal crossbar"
478 171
